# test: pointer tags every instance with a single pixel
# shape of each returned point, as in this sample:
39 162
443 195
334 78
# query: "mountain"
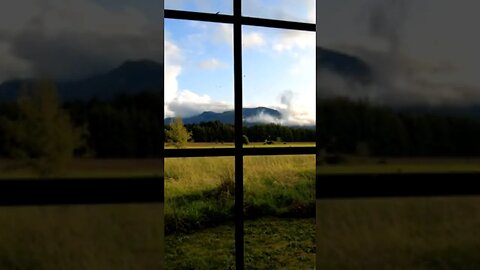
347 66
140 75
129 78
249 114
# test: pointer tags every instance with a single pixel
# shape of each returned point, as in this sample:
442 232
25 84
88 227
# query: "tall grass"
81 237
199 192
410 233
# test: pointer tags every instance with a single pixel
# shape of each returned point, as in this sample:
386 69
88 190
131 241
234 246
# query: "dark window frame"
148 190
239 152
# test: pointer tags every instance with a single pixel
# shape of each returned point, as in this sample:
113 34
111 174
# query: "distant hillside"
228 117
129 78
135 76
347 66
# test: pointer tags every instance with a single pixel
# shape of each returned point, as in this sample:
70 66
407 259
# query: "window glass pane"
287 10
208 6
413 233
90 74
279 207
199 82
82 237
279 87
199 213
398 81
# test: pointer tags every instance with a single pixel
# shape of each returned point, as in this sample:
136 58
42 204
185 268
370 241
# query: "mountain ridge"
227 117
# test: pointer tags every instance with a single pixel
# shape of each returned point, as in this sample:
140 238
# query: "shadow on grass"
214 207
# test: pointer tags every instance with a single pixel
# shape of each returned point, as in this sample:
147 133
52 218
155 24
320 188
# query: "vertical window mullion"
237 62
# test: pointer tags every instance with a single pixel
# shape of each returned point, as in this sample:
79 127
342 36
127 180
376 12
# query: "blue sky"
278 65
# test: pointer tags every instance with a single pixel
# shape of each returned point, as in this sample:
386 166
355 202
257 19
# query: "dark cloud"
75 39
412 60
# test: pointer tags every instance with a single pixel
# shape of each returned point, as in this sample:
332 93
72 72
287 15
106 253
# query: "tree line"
216 131
355 126
129 126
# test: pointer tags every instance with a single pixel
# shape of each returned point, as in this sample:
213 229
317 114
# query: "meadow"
280 227
279 206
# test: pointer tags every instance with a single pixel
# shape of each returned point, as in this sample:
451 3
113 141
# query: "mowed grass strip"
270 243
200 145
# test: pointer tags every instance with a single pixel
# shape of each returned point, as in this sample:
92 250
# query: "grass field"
81 237
280 228
279 204
414 233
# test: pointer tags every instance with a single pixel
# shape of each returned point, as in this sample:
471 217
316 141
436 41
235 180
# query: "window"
239 21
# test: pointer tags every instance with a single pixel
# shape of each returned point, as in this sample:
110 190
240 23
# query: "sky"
422 52
278 65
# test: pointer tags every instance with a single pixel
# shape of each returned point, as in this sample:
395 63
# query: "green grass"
270 243
279 206
414 233
199 192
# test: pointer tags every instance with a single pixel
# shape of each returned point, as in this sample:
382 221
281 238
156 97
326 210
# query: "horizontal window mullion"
391 185
267 151
200 152
198 16
247 151
250 21
286 25
76 191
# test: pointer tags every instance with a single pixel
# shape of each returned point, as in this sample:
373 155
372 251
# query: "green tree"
42 135
177 134
246 141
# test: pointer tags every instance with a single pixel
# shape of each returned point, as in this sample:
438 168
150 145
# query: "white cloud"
188 103
311 17
223 33
253 39
211 64
289 40
295 108
183 102
173 57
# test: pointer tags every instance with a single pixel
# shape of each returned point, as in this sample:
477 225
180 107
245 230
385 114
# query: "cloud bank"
417 56
73 39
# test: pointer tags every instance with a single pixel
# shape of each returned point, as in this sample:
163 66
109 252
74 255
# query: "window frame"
238 152
150 190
